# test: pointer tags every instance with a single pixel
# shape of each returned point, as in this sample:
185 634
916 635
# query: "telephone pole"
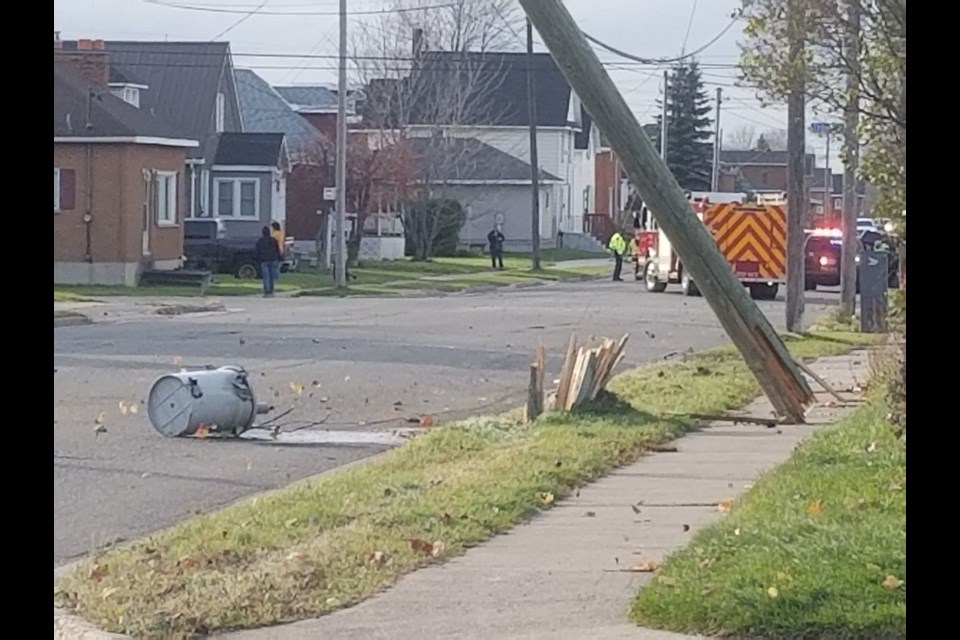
663 116
534 158
797 203
851 163
715 181
341 278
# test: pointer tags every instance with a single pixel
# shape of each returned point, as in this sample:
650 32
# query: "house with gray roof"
191 86
118 175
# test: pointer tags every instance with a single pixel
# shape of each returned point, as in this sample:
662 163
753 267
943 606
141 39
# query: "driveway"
365 365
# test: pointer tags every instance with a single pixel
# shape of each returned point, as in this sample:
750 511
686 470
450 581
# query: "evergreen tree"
689 134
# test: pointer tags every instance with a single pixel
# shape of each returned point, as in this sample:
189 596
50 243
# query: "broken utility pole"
534 159
762 349
797 202
851 162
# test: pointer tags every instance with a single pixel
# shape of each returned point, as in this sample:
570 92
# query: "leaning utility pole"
762 349
341 278
851 163
796 152
534 158
663 116
715 177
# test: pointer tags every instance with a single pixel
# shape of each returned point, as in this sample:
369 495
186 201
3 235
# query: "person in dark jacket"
268 255
496 238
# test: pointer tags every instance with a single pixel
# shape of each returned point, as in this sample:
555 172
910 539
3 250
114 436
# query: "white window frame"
167 211
221 112
56 190
235 205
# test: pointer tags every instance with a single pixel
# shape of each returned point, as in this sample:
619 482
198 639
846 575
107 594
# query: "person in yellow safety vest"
618 246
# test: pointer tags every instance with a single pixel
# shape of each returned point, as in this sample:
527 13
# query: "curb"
71 321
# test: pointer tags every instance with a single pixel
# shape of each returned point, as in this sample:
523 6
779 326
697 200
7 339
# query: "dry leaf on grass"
724 505
437 549
647 566
891 582
545 497
873 447
421 545
99 571
773 592
186 562
379 558
815 507
106 593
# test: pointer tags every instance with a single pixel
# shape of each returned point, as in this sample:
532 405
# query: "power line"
630 56
225 10
686 37
236 24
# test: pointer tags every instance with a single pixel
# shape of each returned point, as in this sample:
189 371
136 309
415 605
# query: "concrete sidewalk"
562 574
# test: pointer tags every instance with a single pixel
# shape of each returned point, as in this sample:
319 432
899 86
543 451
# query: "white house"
493 110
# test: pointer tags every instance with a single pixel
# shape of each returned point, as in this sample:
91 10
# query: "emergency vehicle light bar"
827 233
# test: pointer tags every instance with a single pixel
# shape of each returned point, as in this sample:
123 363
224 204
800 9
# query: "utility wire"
686 37
635 58
369 12
240 21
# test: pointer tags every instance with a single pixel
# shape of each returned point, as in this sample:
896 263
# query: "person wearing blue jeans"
268 255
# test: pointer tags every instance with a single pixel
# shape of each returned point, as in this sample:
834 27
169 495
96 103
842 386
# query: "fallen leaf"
705 563
316 384
686 527
873 447
379 558
297 556
635 508
297 388
437 549
558 462
546 497
446 518
291 522
421 545
99 571
667 581
647 566
97 430
426 421
815 507
100 419
177 360
724 505
891 582
736 531
123 408
361 423
202 432
106 593
590 514
346 379
186 562
134 409
773 592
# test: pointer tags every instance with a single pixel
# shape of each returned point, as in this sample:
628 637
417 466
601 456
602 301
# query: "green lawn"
815 549
330 542
371 279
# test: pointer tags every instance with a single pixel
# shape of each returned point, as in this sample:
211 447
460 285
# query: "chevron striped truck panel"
752 237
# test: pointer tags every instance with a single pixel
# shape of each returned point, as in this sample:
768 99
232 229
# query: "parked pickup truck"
206 246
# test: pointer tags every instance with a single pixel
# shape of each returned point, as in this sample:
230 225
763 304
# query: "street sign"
823 128
329 194
874 276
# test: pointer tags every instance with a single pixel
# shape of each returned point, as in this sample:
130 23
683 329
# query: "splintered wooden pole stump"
762 349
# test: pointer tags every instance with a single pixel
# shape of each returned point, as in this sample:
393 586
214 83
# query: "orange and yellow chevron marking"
752 234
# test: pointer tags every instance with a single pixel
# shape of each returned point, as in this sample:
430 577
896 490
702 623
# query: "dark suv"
822 259
206 246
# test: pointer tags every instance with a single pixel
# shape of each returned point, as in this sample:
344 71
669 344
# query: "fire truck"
751 236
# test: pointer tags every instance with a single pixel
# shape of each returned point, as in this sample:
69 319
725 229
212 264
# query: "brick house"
118 178
756 171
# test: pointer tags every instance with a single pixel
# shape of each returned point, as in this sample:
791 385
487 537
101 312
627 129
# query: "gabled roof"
182 77
109 116
492 86
458 160
308 97
265 111
249 149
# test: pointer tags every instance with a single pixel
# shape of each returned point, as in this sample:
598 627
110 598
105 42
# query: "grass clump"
330 542
815 549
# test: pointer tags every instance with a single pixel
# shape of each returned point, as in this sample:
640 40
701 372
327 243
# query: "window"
586 200
166 198
221 112
237 198
64 189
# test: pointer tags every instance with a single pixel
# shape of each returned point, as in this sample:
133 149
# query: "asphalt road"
365 365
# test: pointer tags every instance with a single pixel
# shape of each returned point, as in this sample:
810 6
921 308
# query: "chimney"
89 59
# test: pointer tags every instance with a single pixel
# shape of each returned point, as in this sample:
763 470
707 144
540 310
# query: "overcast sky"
647 28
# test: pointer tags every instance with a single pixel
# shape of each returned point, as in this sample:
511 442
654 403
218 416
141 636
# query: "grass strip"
330 542
815 549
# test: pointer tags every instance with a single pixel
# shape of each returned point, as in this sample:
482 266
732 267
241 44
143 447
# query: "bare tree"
741 138
776 139
427 76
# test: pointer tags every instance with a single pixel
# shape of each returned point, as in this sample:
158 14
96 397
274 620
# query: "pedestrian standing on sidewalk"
496 238
268 255
618 246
